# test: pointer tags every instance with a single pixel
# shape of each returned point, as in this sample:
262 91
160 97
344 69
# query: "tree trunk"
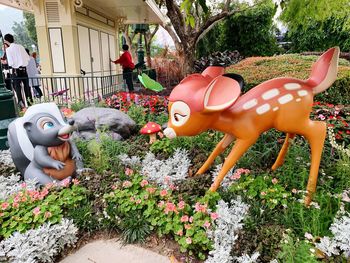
148 55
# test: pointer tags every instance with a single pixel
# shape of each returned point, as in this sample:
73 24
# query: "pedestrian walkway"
112 251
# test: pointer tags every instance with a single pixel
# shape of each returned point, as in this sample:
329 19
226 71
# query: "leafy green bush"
161 211
29 209
294 251
256 70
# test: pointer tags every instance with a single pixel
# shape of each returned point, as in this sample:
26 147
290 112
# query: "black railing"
65 89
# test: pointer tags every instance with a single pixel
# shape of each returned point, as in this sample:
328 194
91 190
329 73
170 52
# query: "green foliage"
264 188
101 153
296 12
251 32
316 36
295 251
21 35
28 209
161 211
135 228
29 22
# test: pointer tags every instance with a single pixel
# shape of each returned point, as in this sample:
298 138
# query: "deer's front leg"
220 147
240 147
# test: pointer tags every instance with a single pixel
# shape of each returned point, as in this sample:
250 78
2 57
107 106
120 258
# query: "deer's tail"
324 71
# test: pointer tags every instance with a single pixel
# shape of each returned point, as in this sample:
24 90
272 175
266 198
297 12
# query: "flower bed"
141 191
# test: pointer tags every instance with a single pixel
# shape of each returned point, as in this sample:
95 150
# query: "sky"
8 16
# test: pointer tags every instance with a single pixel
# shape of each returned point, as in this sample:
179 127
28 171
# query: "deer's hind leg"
282 154
315 133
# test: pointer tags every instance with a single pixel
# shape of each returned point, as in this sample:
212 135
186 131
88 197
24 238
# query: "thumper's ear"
27 126
221 93
213 71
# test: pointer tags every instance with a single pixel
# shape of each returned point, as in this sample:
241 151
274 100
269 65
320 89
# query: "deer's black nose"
71 122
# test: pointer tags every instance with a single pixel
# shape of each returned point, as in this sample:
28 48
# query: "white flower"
38 245
226 228
308 236
341 236
248 259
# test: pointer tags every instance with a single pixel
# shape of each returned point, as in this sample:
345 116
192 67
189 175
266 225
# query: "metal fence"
66 89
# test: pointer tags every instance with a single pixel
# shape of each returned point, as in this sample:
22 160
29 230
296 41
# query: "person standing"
125 61
18 59
5 67
33 73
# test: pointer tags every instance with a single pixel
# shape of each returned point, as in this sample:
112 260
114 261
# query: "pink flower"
47 214
129 171
236 176
15 205
160 134
190 219
294 191
138 201
161 204
263 193
206 224
144 183
23 185
17 199
200 208
151 190
187 226
65 182
24 199
172 187
163 193
181 205
75 181
274 180
36 211
179 233
214 216
184 218
321 117
127 184
132 199
5 205
114 187
170 207
188 240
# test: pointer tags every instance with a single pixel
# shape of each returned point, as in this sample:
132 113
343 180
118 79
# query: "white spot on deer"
275 108
292 86
270 94
302 93
298 100
250 104
263 109
285 99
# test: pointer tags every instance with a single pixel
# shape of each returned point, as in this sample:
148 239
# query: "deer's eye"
180 113
178 116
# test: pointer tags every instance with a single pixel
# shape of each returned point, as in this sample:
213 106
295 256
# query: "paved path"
111 251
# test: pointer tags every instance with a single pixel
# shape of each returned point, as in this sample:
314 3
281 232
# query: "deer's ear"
221 93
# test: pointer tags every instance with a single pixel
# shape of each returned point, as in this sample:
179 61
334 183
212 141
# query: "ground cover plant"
141 191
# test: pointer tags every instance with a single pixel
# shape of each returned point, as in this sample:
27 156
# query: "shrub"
28 209
161 211
256 70
38 245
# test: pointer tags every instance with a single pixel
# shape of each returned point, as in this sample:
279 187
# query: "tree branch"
212 21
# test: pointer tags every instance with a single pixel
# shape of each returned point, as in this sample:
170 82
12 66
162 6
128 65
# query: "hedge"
255 70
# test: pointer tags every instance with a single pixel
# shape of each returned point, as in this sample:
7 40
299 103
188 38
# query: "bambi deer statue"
212 100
